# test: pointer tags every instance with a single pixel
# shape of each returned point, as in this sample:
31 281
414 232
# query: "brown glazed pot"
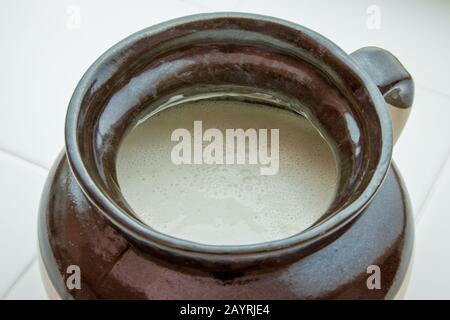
84 220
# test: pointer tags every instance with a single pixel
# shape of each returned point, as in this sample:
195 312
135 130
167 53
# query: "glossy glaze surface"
71 231
238 53
84 219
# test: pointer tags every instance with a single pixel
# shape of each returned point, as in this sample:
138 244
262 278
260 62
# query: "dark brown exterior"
234 53
73 232
85 221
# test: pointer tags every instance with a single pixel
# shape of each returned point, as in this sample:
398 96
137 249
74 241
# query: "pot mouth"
84 131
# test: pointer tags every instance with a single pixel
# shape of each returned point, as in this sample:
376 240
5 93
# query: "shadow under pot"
361 246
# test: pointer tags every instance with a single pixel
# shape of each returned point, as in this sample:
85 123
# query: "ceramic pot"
86 225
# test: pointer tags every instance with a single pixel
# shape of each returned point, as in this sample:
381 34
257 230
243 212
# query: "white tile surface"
422 149
29 286
20 189
40 69
44 54
215 5
430 273
415 31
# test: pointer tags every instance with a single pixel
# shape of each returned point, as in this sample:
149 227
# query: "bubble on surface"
227 204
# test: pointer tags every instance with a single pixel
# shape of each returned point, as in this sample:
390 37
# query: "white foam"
227 204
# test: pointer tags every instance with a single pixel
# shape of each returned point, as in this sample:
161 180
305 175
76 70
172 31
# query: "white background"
45 47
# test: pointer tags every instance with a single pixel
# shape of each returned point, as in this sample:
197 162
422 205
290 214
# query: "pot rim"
148 236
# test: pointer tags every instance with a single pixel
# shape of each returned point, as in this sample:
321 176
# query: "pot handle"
395 83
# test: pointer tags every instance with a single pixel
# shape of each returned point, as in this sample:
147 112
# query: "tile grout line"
19 157
421 210
433 188
434 91
16 280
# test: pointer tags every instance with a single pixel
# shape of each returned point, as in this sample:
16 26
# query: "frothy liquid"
227 204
